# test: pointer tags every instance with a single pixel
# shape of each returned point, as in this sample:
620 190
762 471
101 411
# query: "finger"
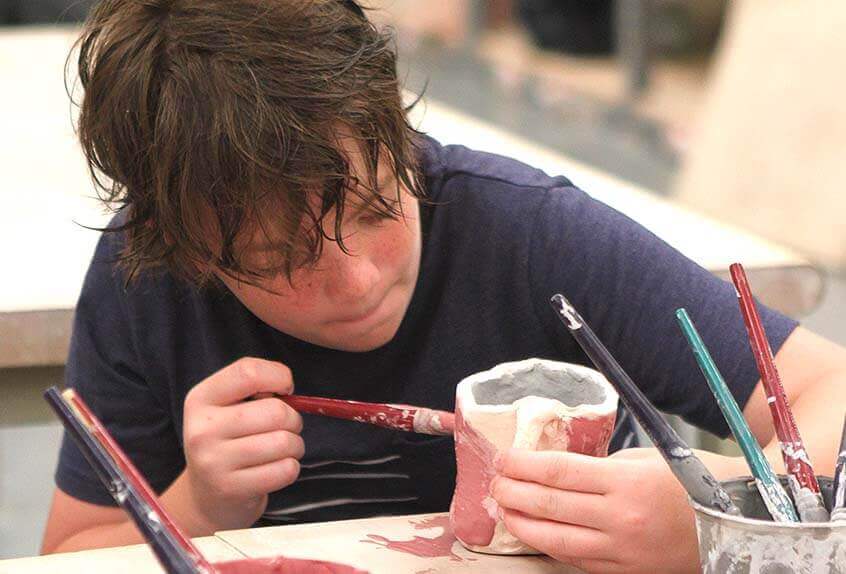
243 379
563 470
539 501
267 478
565 542
260 449
255 417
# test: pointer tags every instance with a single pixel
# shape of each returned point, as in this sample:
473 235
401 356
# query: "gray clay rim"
745 523
573 387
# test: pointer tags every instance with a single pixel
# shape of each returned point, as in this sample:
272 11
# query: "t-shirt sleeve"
627 284
104 367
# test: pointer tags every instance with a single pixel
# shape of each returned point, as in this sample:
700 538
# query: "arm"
74 524
567 506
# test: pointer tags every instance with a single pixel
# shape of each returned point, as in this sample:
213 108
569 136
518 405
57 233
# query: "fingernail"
500 513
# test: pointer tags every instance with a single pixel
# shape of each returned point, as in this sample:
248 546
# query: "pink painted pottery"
533 404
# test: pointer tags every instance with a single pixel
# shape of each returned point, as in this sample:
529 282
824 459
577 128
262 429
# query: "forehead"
355 152
359 193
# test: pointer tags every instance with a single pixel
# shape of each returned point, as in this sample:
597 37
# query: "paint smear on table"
440 546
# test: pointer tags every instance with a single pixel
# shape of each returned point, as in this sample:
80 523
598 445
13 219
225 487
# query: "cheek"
284 304
395 246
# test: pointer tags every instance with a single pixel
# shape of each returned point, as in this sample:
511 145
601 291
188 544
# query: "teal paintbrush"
775 497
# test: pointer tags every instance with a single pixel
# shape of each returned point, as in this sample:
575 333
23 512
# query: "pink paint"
590 436
438 547
474 457
281 565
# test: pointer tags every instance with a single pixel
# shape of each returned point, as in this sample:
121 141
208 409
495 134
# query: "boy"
281 223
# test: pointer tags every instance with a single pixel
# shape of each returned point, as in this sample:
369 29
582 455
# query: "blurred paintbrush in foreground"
175 552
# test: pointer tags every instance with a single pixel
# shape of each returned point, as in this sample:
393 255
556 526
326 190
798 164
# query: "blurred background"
721 123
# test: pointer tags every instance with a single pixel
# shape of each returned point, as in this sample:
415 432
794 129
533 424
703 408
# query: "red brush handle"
399 417
379 414
792 447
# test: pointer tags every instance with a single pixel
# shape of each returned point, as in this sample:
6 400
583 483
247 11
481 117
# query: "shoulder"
107 290
104 277
470 187
456 166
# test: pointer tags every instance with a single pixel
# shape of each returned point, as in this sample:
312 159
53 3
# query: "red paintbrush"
801 477
401 417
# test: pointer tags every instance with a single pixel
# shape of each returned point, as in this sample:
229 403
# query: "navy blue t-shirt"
499 238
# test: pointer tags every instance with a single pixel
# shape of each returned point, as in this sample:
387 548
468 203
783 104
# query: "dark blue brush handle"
686 466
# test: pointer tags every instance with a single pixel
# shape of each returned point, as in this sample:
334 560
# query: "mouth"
363 316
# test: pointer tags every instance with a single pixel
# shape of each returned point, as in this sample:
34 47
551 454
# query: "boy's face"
350 302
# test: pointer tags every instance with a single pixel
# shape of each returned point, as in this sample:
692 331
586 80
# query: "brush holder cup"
533 404
754 543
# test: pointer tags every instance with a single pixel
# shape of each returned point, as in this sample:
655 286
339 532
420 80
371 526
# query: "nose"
350 278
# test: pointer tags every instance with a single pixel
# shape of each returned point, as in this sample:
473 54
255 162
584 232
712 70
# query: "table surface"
135 559
353 542
46 197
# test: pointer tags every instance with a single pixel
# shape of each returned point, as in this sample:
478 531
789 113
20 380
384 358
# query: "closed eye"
374 217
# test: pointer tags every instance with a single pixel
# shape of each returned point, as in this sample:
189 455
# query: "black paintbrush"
686 466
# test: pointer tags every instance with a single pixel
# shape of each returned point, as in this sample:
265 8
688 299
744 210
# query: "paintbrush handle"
772 492
838 505
399 417
175 553
796 461
700 484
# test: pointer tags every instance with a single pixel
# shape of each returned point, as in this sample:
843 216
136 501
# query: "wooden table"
353 542
136 559
46 197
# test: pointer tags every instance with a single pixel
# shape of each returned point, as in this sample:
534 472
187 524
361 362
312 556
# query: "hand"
237 452
623 513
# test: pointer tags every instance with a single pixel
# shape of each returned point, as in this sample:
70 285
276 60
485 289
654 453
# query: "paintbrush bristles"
686 466
773 494
801 477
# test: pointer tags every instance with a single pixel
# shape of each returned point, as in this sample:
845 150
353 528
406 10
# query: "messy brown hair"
210 121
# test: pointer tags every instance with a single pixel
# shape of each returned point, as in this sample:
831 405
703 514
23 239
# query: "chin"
367 342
